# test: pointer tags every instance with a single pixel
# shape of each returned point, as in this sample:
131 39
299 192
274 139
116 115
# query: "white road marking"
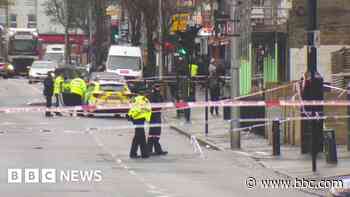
242 153
262 153
132 172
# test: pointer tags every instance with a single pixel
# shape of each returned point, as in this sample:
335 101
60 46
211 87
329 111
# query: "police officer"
156 120
48 92
58 89
66 95
139 113
77 90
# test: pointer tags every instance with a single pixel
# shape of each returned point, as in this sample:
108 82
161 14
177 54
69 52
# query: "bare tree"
79 19
134 13
78 13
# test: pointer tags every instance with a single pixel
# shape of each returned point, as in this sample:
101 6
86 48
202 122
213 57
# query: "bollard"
330 147
276 143
227 112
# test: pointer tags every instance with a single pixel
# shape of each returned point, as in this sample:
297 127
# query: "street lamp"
235 136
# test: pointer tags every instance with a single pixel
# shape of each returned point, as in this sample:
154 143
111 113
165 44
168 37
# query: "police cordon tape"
183 105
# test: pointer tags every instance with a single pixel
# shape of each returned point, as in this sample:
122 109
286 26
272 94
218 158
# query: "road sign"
317 39
180 22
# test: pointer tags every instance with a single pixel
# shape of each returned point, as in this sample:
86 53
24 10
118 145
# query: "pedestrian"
48 92
139 113
156 121
212 67
77 90
214 89
58 89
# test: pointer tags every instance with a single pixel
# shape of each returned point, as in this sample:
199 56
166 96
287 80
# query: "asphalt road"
30 140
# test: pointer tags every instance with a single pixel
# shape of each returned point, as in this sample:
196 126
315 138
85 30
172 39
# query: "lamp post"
160 60
235 136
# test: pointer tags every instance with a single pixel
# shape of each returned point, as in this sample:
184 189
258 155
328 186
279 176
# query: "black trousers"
139 139
76 100
154 133
57 99
214 96
48 104
70 99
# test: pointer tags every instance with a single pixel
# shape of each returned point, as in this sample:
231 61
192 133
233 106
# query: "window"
32 21
13 20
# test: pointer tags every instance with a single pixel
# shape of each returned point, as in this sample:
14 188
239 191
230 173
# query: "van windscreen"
124 62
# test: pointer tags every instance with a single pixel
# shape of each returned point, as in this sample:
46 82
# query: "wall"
298 60
24 7
335 34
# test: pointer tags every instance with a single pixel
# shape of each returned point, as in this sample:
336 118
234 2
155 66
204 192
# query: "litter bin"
330 146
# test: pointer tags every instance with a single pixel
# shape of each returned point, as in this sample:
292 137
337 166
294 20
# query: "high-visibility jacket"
66 86
140 109
58 85
194 69
78 86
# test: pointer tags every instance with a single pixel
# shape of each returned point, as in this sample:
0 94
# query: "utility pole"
235 136
315 91
66 33
90 31
160 40
7 15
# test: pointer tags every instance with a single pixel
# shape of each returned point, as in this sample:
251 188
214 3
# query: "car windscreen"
124 62
112 87
23 45
57 57
43 65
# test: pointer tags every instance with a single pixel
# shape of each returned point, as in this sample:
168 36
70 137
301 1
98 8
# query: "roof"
43 61
117 82
120 50
105 76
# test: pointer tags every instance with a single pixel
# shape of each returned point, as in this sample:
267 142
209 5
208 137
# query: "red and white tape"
183 105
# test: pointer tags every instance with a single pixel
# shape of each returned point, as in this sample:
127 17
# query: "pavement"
290 163
31 141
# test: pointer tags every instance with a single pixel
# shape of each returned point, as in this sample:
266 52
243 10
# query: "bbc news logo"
46 176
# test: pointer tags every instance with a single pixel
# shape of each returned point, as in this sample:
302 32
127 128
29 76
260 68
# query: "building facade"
29 14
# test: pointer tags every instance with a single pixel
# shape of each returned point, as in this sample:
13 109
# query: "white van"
125 61
54 52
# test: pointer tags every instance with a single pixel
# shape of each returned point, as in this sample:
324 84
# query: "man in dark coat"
48 92
214 89
156 120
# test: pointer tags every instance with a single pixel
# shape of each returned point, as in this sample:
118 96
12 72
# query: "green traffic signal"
182 51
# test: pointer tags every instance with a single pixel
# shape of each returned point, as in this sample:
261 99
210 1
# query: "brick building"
335 34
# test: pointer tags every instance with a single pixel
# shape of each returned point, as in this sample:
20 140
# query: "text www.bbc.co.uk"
297 183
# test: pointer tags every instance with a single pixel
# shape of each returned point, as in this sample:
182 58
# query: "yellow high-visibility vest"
78 86
141 109
194 69
58 85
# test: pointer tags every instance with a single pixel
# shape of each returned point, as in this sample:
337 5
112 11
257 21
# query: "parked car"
39 69
6 69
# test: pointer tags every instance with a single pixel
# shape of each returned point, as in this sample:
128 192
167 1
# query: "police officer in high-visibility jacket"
139 113
193 69
57 90
77 90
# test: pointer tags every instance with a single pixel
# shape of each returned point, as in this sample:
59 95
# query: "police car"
106 90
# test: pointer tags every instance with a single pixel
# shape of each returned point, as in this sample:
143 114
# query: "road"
30 140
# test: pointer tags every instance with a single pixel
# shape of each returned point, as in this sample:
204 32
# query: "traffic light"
182 51
186 40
